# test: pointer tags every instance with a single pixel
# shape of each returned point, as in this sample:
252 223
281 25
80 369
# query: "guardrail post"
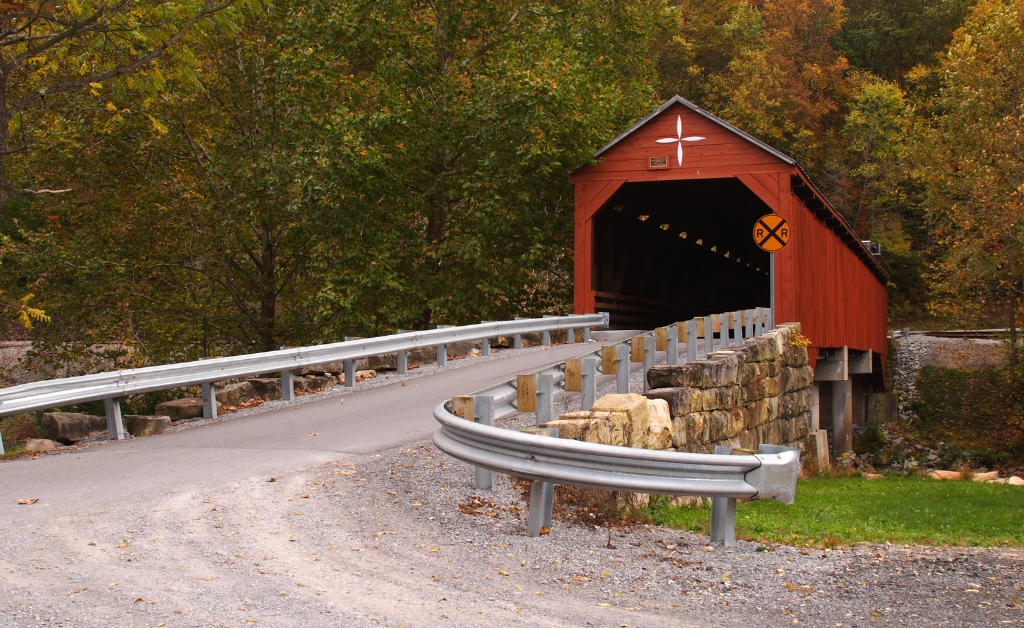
287 386
649 356
115 429
750 324
442 355
350 373
586 334
485 344
542 499
622 369
673 345
738 327
2 452
517 341
770 316
691 340
709 336
402 359
545 338
589 383
723 512
209 401
484 415
545 398
760 321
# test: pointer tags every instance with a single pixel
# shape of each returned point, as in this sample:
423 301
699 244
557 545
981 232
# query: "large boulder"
39 444
185 409
71 427
266 388
234 394
622 420
310 383
141 425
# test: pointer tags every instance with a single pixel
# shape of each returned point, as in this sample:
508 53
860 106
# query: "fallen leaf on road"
92 543
137 600
27 502
434 549
603 604
123 544
314 433
272 480
77 591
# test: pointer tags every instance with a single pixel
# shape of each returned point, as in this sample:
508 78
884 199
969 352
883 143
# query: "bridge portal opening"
667 251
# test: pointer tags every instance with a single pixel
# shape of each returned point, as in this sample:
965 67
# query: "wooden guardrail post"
661 339
526 393
573 375
115 429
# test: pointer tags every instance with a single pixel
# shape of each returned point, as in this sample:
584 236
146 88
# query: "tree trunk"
268 291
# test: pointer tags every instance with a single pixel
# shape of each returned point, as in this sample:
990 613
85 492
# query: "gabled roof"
694 108
835 221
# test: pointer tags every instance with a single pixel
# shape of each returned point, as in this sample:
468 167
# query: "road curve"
263 444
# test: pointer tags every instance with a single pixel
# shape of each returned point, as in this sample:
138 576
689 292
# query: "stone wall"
742 396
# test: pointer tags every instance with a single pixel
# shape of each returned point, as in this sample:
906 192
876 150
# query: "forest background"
183 178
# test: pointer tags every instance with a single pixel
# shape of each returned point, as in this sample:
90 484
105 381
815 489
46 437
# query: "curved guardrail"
116 384
769 475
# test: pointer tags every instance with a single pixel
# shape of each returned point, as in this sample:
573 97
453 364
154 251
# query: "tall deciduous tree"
972 154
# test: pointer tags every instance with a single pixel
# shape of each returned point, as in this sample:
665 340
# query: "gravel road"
403 538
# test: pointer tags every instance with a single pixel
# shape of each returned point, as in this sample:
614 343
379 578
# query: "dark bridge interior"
668 251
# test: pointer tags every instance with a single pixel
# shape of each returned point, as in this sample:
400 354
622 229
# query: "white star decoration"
679 139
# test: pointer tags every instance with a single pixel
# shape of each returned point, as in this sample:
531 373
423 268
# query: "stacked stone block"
744 395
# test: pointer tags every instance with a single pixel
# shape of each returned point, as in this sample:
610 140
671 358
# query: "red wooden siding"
819 280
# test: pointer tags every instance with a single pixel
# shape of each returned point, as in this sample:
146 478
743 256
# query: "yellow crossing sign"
772 232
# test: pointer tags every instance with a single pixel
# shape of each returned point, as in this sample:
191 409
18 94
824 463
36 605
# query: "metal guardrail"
537 456
769 475
115 384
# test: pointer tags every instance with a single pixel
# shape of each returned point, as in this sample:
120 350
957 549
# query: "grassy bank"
842 511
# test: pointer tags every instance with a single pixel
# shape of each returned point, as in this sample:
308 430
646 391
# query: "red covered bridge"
664 224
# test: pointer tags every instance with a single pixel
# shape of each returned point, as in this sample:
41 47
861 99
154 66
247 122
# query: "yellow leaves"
96 85
27 502
158 126
111 106
27 314
123 544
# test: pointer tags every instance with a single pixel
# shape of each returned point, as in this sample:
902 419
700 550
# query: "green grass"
843 511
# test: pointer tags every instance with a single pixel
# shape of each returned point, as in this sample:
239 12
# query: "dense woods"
181 178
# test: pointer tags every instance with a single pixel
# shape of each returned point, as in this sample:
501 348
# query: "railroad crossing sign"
771 232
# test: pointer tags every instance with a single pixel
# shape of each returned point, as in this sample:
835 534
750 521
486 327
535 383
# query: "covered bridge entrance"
664 232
